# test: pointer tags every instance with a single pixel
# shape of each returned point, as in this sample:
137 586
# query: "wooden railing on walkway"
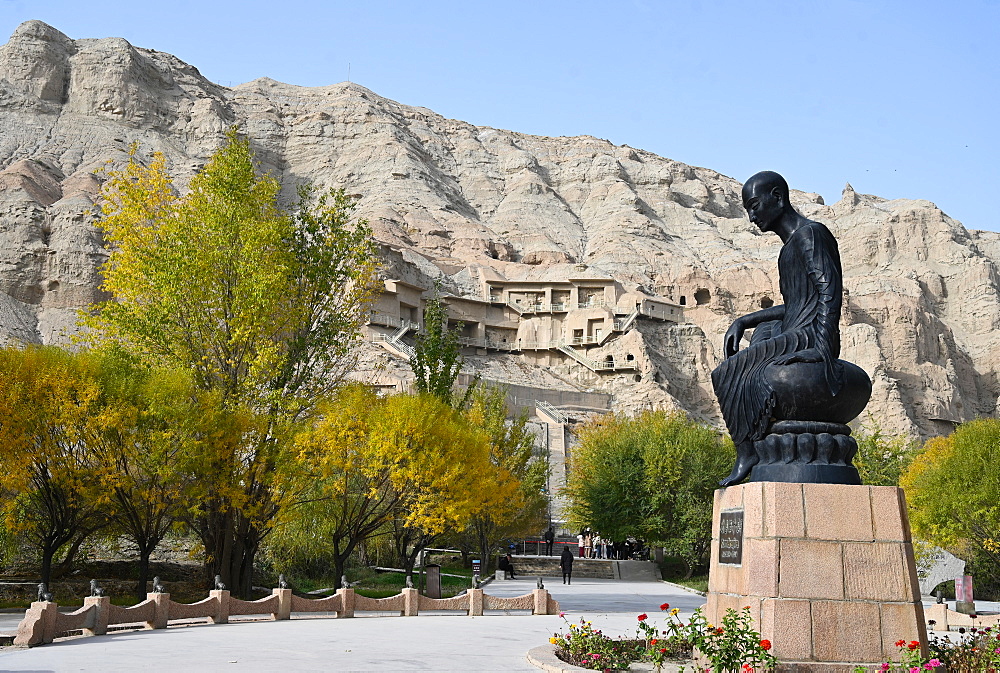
43 622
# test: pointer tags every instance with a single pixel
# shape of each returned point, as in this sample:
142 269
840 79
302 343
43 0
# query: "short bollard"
411 602
98 622
346 602
284 603
476 602
222 606
161 605
38 626
541 602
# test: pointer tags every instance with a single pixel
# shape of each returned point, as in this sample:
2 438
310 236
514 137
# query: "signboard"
477 566
731 537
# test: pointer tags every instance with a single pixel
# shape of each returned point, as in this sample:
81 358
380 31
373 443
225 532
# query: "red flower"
665 606
765 644
719 631
653 641
663 650
913 645
643 617
900 643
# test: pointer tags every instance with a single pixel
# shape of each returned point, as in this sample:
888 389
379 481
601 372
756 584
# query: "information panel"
731 537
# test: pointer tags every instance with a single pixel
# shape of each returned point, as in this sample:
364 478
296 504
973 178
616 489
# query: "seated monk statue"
790 375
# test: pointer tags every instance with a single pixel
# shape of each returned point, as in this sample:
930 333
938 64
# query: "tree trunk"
47 554
66 564
140 588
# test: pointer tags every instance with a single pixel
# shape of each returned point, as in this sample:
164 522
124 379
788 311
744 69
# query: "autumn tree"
410 457
651 477
49 399
512 456
259 304
146 445
953 491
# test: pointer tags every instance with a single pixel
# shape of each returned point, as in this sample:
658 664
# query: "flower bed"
975 650
730 646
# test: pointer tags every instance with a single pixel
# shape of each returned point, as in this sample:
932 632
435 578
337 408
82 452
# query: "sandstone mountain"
447 198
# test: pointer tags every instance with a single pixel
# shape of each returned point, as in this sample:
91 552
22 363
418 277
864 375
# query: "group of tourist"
591 544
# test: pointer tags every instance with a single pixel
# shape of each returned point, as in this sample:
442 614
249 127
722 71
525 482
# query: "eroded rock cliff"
922 302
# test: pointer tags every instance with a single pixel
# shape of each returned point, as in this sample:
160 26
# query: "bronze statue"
786 398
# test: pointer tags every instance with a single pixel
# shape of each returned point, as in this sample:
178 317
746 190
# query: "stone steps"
548 566
605 569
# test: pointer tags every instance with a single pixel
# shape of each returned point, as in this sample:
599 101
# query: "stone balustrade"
945 619
43 622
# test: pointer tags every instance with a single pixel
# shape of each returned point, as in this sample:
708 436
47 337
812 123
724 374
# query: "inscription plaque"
731 537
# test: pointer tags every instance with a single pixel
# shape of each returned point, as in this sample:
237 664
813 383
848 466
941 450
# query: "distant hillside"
447 198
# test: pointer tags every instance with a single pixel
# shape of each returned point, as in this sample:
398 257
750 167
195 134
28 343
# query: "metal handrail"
551 411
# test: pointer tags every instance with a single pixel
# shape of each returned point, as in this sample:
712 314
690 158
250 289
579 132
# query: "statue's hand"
733 337
807 355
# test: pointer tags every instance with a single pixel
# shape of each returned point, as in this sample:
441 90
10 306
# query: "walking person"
598 546
566 563
549 537
579 542
588 545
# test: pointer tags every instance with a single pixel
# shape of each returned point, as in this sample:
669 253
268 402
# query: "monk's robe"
810 279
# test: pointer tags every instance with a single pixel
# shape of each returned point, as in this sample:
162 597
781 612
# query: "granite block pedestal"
826 569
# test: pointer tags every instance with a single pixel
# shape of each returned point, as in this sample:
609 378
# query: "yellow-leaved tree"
953 491
260 304
48 399
410 457
519 473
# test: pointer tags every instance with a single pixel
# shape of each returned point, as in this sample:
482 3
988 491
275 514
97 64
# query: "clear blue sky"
897 98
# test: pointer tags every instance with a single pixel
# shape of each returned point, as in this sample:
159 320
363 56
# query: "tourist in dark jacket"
566 563
507 565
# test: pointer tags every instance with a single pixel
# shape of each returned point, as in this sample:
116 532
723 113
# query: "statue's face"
764 207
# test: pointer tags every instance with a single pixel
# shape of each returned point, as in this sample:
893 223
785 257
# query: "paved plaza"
428 642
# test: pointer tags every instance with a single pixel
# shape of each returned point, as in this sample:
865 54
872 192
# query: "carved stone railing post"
541 602
411 602
98 621
222 608
161 616
284 603
347 603
544 605
476 602
38 626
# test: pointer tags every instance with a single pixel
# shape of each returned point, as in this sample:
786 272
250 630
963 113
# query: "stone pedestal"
826 569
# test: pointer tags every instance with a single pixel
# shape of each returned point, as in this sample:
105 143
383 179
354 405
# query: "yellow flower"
554 640
675 611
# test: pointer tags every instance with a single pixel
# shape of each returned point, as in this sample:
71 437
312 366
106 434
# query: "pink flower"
933 663
915 669
885 666
562 614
